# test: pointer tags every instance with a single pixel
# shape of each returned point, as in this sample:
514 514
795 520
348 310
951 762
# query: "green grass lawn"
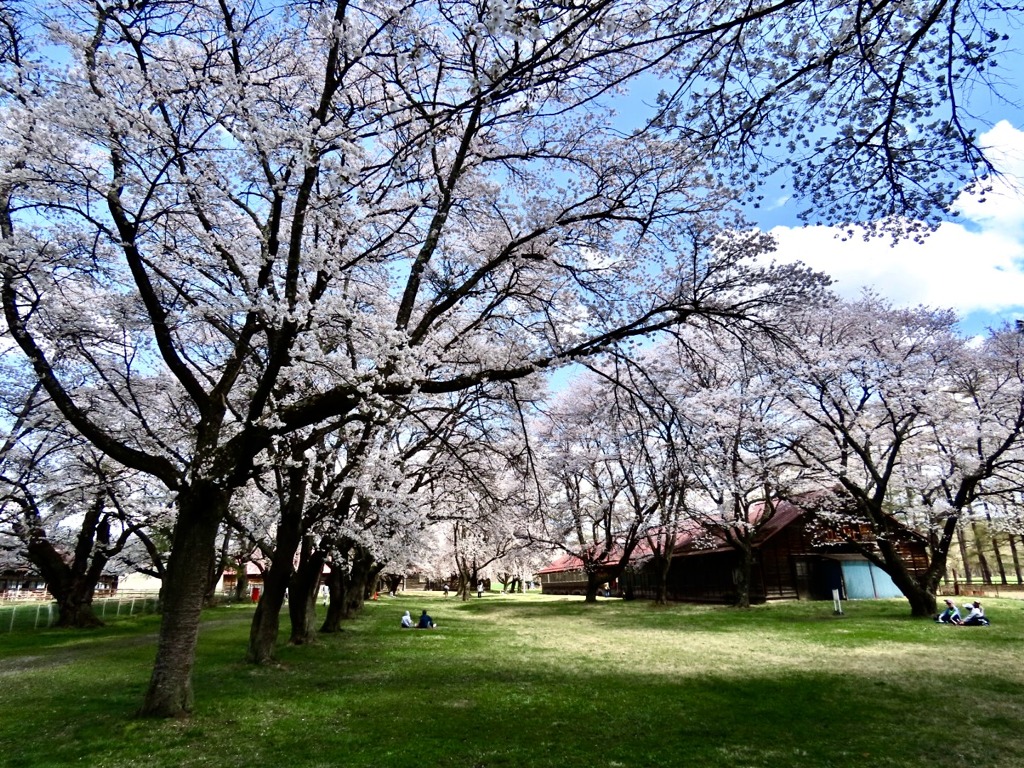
533 681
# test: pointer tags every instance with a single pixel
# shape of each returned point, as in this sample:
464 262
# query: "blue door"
864 580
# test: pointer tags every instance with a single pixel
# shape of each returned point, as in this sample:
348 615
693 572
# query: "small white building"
138 582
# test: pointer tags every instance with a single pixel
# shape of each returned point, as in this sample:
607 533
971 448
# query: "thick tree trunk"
266 622
467 579
919 590
592 587
302 613
332 620
348 589
662 566
303 592
355 595
922 602
200 509
242 584
393 581
72 590
73 583
357 582
743 576
74 608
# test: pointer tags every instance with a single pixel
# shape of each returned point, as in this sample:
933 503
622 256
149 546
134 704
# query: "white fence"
39 614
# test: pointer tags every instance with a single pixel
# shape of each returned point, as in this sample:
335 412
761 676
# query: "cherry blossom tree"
414 198
644 387
866 377
602 497
276 531
313 494
733 435
516 570
480 532
377 490
339 482
67 511
479 490
972 462
854 104
909 421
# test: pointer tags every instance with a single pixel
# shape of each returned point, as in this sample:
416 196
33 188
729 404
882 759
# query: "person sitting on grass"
949 616
425 622
407 621
976 618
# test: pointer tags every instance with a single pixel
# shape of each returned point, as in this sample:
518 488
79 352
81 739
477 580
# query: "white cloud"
1003 206
974 265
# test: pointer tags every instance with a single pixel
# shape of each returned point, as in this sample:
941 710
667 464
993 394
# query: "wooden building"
28 584
795 557
22 583
565 576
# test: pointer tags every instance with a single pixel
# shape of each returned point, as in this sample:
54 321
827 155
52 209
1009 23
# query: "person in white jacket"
976 618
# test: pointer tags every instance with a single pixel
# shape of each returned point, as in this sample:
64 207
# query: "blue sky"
974 265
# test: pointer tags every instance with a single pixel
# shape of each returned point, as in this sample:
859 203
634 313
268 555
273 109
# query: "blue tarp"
866 581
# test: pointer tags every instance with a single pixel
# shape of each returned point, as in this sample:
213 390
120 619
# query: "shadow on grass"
476 694
447 714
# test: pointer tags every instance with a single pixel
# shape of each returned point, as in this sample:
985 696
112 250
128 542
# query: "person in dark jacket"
425 622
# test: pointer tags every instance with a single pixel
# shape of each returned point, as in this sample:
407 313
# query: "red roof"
785 513
687 541
563 563
641 552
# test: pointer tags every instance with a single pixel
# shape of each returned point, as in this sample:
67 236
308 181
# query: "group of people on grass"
951 615
425 622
